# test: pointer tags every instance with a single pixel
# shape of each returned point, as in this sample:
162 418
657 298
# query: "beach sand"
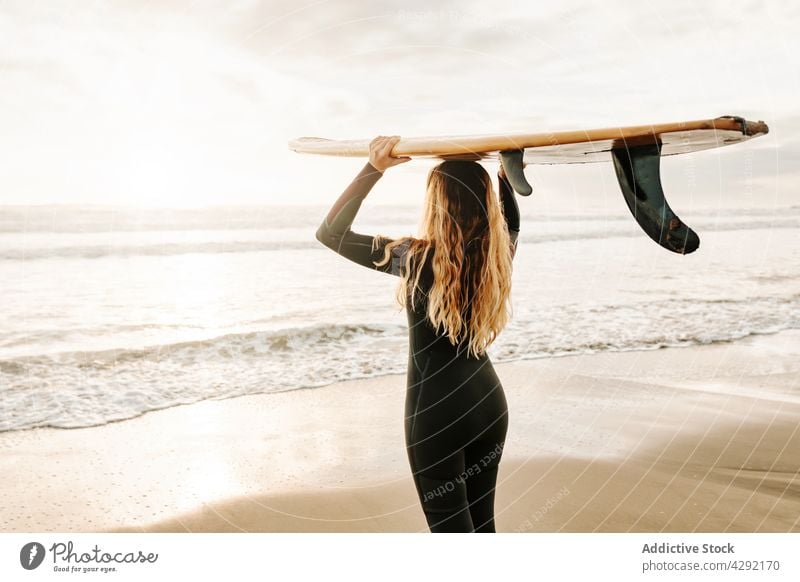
680 439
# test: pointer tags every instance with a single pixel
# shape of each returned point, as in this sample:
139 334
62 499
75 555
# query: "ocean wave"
655 343
113 219
529 235
84 407
83 388
157 249
57 218
228 346
48 335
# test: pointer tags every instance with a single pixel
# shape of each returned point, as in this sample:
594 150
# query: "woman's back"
455 283
423 335
456 420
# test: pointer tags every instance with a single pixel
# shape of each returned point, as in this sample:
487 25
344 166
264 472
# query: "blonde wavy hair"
463 225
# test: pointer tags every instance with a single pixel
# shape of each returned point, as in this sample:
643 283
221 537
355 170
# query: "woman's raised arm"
335 232
510 208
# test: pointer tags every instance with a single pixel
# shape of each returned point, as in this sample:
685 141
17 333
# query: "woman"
454 283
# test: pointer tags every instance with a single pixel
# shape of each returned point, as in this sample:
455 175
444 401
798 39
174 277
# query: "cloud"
196 100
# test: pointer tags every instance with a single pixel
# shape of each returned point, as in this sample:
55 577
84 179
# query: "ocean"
110 312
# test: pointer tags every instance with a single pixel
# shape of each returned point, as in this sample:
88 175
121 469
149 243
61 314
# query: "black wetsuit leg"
456 415
455 426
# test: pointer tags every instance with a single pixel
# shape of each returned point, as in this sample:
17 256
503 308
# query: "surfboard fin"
512 163
639 178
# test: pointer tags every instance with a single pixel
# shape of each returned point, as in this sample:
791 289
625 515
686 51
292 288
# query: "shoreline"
696 438
392 374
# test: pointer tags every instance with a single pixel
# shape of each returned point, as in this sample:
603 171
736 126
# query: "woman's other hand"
380 153
502 171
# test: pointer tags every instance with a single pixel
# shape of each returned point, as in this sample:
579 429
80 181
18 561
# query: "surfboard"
561 147
634 150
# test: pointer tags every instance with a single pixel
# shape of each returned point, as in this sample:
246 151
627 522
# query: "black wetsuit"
456 417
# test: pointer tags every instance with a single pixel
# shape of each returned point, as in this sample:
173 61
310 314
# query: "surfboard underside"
635 152
568 147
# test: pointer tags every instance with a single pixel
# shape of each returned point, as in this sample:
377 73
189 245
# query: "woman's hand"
380 153
502 171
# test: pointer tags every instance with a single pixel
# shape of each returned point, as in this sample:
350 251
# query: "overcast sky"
190 103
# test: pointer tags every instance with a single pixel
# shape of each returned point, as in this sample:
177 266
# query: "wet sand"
700 439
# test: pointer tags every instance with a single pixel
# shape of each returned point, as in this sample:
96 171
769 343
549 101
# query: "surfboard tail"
639 177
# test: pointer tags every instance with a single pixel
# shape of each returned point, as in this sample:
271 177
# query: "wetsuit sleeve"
335 232
510 211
